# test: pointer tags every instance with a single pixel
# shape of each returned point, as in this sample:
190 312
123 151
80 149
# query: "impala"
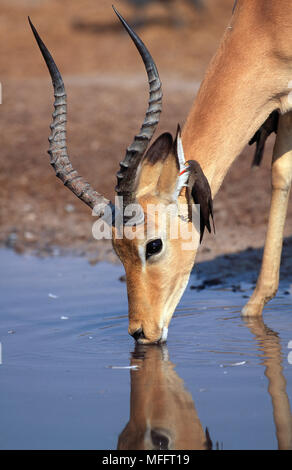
245 87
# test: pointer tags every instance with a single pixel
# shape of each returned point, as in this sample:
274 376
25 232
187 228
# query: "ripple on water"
65 374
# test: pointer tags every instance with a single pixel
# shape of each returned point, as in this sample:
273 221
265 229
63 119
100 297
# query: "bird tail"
260 137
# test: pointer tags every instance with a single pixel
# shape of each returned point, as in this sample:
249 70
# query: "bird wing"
201 194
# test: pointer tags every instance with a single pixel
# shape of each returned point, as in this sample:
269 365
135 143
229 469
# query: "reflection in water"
269 346
162 411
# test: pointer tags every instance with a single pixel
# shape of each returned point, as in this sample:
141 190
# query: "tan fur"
148 179
167 178
248 78
268 281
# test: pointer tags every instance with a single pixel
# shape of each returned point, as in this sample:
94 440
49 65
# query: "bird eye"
153 247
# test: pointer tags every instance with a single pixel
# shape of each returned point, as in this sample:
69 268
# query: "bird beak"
187 168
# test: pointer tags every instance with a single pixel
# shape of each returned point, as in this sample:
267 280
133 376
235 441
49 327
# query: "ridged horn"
126 177
58 143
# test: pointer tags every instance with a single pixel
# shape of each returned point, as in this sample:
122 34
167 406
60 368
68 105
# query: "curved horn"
58 147
134 153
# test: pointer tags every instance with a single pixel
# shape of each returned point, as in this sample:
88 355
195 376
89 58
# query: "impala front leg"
268 281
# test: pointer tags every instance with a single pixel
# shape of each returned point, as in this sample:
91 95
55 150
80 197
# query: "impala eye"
159 440
153 247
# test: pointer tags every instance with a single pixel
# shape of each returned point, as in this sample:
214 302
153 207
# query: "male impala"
247 80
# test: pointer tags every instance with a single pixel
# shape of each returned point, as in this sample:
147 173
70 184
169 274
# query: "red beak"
182 172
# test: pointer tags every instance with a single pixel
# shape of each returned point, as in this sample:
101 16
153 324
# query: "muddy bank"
243 267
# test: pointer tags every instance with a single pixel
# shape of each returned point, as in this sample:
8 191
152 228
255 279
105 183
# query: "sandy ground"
107 95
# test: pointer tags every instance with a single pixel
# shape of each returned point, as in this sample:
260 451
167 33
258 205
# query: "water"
65 381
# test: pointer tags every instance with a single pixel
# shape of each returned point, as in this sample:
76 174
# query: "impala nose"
138 334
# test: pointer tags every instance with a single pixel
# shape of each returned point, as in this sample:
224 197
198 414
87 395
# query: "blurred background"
107 98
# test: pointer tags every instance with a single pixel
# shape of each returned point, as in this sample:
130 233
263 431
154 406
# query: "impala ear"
161 167
168 177
153 163
160 149
171 182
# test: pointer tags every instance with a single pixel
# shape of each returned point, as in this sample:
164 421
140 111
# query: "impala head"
158 252
157 247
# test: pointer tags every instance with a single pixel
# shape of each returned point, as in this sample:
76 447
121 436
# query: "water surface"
71 377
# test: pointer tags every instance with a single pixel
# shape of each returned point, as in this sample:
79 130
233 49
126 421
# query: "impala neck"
235 98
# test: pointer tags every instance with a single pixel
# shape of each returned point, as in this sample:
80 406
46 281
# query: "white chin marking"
164 334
